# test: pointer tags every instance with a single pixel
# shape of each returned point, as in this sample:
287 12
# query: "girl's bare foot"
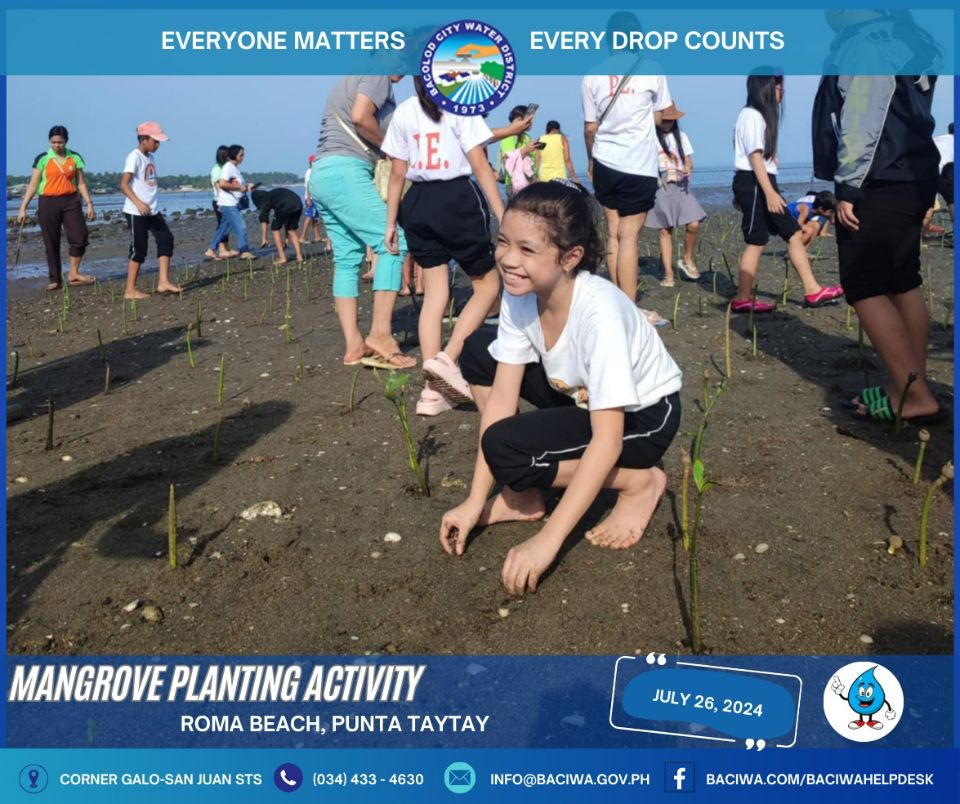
513 506
625 524
168 287
136 295
210 254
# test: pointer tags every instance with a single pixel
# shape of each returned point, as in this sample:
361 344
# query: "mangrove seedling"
849 321
16 367
753 339
299 373
50 408
676 309
911 379
221 374
134 308
394 390
123 316
684 488
726 339
113 292
924 437
103 355
353 390
286 319
246 288
946 474
216 440
706 387
786 282
702 485
199 319
106 378
193 362
172 528
726 264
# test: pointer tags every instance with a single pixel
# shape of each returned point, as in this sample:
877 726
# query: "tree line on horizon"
110 181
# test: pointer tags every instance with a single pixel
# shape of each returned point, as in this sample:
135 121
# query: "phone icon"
288 777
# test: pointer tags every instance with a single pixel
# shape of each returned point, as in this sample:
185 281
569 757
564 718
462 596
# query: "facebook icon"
679 777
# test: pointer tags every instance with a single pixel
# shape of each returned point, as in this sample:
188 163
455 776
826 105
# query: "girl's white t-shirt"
434 151
143 183
608 355
230 198
748 137
626 139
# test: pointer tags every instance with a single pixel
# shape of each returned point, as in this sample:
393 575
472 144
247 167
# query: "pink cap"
152 129
311 159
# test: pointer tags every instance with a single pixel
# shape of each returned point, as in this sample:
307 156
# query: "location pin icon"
33 775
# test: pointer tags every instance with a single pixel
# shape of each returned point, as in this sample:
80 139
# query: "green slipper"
877 411
866 397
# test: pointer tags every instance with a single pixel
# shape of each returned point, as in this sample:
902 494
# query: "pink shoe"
446 378
739 306
826 295
432 403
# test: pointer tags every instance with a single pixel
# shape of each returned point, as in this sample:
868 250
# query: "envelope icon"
458 777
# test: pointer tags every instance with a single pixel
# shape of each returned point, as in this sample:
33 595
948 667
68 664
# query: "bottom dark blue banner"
415 775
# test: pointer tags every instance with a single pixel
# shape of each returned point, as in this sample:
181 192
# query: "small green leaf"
393 388
698 474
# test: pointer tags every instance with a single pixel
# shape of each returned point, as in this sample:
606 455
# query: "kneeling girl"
605 387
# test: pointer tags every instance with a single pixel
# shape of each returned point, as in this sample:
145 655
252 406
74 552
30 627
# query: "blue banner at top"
561 42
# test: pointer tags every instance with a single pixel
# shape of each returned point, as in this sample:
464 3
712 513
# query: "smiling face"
529 261
866 694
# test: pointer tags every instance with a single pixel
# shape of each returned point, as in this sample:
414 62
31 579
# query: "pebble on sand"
866 639
504 612
133 605
267 508
761 548
152 614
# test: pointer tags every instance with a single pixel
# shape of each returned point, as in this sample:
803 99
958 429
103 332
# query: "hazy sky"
276 118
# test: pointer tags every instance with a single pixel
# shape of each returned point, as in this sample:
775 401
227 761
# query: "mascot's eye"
862 691
870 691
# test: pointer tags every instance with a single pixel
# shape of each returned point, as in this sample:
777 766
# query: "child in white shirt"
606 389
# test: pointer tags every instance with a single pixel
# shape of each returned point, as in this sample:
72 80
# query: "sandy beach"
793 552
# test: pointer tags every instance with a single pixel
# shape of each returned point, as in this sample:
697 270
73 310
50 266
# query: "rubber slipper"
54 286
686 272
866 397
668 283
882 411
388 362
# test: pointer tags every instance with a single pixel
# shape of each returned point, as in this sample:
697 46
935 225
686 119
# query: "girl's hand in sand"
392 240
847 217
456 526
775 203
525 564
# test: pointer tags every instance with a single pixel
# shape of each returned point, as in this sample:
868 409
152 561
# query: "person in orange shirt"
58 180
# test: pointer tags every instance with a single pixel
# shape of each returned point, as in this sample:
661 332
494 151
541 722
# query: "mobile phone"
540 146
531 110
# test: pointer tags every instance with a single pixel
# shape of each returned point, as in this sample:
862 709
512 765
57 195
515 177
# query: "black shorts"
623 192
758 221
524 451
945 186
290 222
883 256
139 225
448 220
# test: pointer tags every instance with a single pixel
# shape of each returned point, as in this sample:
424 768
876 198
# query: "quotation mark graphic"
654 658
760 744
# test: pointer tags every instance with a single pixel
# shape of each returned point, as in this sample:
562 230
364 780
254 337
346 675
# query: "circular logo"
863 701
33 778
459 777
468 67
288 777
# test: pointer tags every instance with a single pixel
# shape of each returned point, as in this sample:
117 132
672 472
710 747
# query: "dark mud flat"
88 536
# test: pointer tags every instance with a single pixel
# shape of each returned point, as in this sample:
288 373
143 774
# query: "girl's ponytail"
429 106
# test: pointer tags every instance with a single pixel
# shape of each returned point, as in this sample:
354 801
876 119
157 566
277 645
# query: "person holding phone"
516 165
